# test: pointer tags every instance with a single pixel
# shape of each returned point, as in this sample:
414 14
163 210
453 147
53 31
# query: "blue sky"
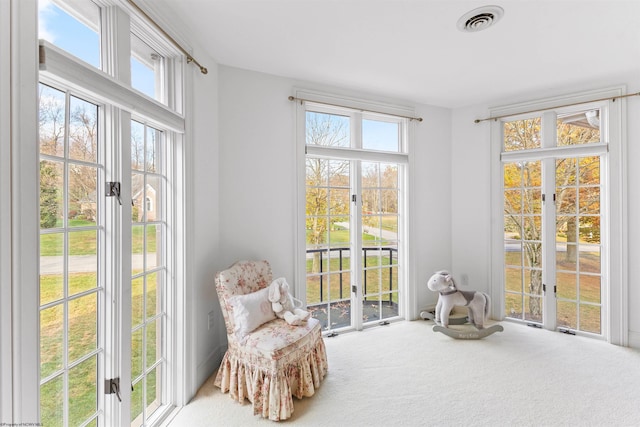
378 135
66 32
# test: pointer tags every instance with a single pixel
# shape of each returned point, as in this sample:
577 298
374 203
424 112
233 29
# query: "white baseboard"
634 339
209 365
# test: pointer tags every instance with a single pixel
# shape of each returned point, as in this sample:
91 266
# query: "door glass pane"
153 389
153 201
83 391
380 221
52 184
152 149
51 340
567 314
83 261
523 239
148 239
328 201
52 121
76 29
83 203
51 267
137 403
83 328
83 130
137 146
137 303
70 232
578 260
136 353
52 402
137 249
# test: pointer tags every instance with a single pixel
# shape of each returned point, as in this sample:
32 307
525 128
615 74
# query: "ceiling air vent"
480 19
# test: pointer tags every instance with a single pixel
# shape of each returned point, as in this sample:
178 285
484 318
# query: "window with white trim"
556 234
354 256
108 156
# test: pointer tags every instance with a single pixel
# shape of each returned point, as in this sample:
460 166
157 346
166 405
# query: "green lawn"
342 235
84 242
568 282
82 339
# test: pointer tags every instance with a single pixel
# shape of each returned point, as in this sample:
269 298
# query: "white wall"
204 256
633 209
471 207
430 215
471 216
258 170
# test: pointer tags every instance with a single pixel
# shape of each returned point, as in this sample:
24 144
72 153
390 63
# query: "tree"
80 130
522 208
49 194
83 146
325 204
51 126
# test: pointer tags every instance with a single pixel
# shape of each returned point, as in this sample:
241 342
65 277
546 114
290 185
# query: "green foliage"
49 195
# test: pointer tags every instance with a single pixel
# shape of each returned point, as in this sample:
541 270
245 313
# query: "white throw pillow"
250 311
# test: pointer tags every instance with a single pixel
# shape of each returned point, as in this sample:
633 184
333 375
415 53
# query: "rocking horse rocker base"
468 334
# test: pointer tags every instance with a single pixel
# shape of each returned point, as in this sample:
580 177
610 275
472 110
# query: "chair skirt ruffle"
271 367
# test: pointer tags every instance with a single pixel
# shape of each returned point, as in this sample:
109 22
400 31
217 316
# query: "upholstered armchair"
273 362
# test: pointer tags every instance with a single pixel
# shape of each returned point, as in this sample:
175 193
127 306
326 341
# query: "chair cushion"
277 339
250 311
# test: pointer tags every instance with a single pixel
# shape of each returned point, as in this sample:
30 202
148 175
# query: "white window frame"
354 107
613 209
5 213
19 23
65 69
19 151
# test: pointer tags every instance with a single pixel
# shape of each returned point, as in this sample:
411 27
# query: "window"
557 236
73 26
101 164
146 69
355 216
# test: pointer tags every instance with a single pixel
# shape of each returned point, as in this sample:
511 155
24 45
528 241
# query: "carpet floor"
404 374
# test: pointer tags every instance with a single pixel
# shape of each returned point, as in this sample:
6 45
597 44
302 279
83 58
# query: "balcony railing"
322 252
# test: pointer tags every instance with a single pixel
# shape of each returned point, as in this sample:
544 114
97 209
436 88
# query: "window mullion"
115 48
357 273
116 44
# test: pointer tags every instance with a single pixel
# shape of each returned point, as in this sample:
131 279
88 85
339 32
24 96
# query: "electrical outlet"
464 277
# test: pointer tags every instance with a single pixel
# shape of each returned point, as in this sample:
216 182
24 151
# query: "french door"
82 276
354 221
554 252
109 181
72 264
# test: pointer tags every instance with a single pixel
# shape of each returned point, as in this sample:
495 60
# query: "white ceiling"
412 49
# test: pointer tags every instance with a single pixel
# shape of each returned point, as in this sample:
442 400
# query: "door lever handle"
111 386
113 189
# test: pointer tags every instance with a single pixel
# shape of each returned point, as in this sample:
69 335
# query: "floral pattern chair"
275 361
